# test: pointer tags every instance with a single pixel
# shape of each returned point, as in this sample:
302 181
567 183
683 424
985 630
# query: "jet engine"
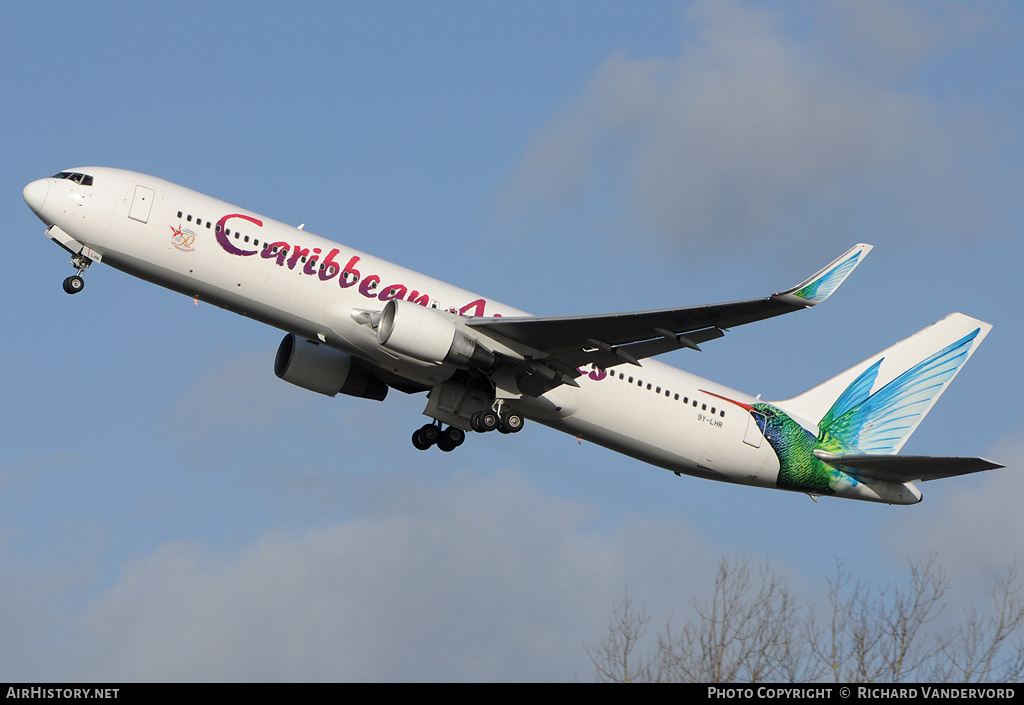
325 370
425 334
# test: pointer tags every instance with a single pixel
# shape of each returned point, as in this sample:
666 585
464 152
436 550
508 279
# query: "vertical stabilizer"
873 407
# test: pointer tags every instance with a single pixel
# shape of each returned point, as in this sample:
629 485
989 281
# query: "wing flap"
603 355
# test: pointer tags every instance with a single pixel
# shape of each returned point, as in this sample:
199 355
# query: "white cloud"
482 579
893 39
750 137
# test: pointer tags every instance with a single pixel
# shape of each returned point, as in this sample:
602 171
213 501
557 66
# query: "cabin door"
141 204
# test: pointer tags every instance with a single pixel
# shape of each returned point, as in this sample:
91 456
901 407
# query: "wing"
606 340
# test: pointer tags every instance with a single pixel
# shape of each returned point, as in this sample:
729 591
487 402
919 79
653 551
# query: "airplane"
359 325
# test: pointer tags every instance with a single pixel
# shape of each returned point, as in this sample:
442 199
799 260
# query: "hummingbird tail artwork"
842 436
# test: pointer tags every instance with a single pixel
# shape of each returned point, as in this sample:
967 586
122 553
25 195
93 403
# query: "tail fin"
873 407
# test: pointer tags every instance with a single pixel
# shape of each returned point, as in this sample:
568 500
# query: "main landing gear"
76 283
504 420
447 440
450 438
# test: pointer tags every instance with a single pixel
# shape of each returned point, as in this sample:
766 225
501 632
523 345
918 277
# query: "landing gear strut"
76 283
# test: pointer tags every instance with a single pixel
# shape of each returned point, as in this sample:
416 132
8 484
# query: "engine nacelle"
325 370
427 335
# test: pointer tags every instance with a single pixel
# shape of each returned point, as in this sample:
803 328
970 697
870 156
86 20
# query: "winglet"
818 288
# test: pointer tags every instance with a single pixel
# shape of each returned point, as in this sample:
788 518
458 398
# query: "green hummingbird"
794 446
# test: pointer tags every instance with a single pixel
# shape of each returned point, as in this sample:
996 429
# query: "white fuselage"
310 286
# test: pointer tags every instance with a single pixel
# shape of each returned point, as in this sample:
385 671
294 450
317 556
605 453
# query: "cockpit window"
83 179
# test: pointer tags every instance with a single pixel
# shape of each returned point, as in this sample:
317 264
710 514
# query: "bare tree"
747 631
751 629
988 647
878 634
614 658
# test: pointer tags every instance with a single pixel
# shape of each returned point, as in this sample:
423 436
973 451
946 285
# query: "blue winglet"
819 287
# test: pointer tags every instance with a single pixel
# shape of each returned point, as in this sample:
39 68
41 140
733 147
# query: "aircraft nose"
35 194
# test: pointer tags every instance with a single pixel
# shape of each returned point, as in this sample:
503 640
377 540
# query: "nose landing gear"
76 283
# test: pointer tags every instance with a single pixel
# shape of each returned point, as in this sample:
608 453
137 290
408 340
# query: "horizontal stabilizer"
905 468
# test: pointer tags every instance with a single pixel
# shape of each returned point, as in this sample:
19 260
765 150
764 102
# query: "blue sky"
169 510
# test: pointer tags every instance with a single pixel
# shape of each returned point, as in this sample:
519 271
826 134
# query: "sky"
170 510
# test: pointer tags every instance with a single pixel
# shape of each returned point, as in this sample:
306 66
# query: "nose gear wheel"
75 283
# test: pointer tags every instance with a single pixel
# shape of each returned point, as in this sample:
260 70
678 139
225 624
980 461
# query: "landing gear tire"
511 423
419 441
447 440
455 435
450 439
73 285
430 433
484 421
